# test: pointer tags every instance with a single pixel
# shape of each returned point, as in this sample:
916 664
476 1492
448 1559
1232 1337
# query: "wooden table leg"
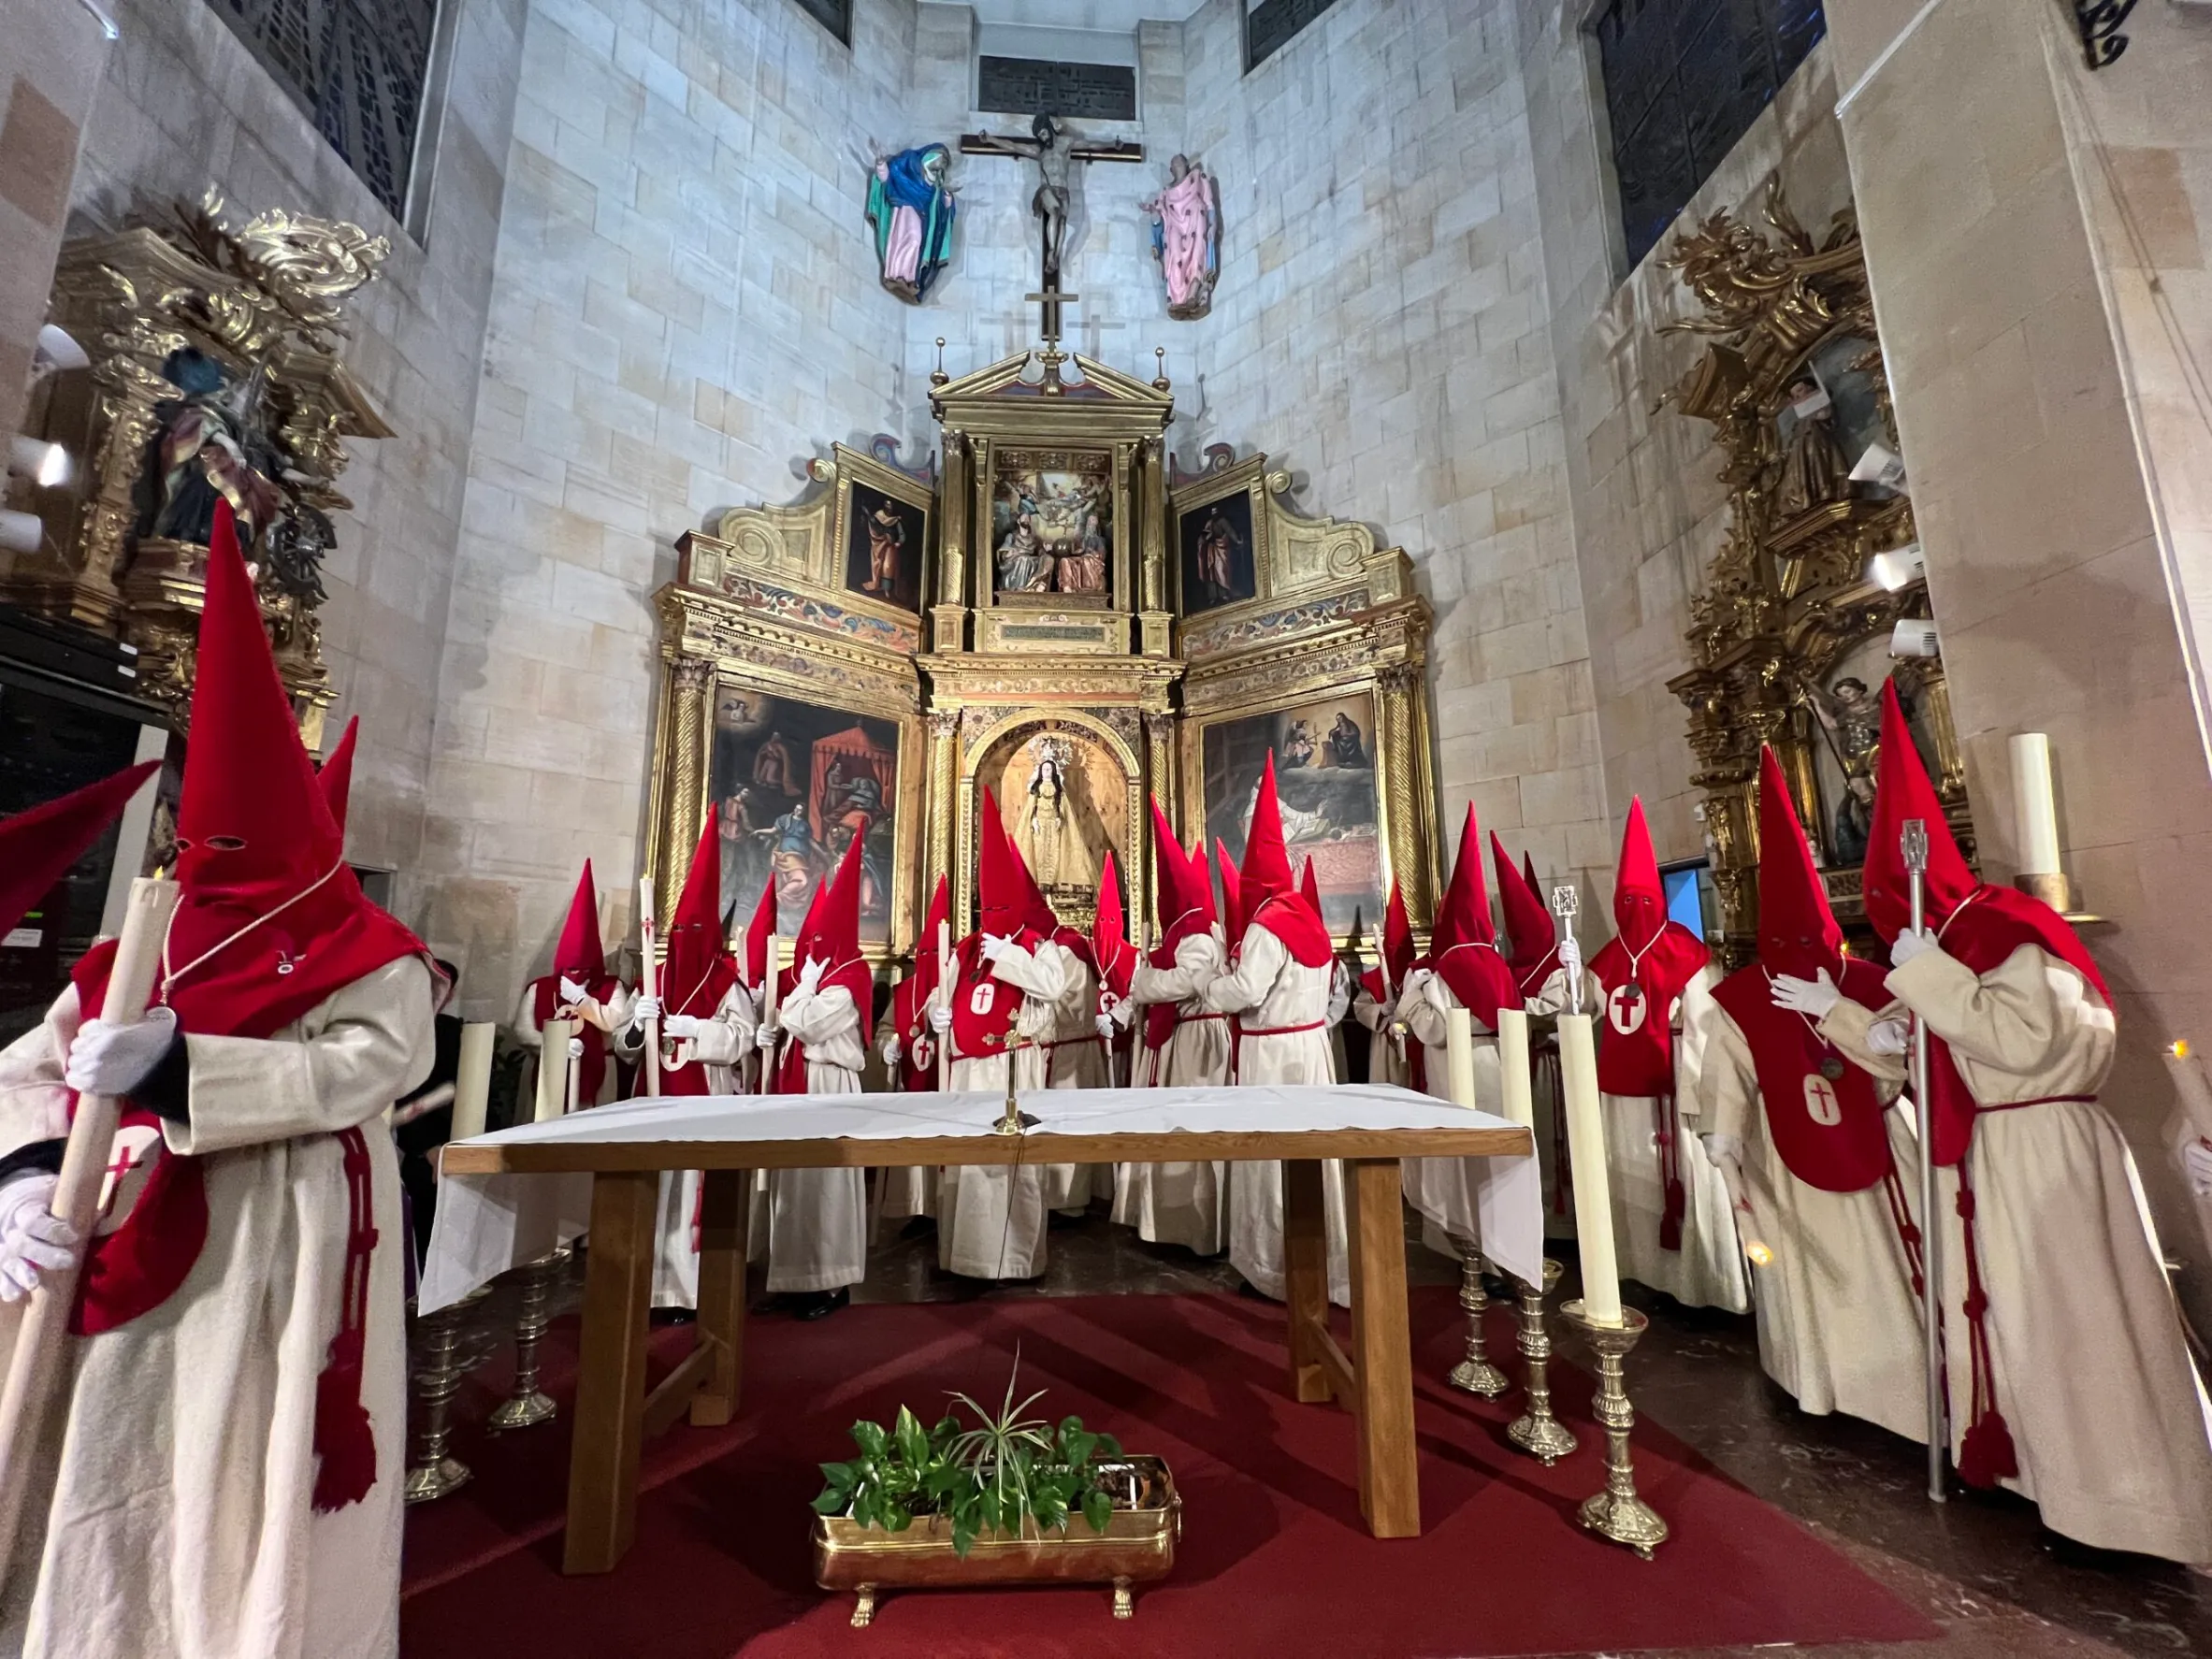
1382 1349
1305 1275
611 1388
723 1207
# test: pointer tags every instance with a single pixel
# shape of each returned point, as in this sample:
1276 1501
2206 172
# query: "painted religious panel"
1064 800
792 782
1218 557
883 537
1846 705
1052 527
1324 770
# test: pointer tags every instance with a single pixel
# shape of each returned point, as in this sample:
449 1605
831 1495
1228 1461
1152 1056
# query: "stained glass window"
356 67
1683 81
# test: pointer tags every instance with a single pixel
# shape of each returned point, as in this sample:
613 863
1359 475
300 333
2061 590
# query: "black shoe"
819 1304
1246 1288
673 1316
919 1227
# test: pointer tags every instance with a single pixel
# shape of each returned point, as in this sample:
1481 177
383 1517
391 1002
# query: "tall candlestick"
1512 1062
2188 1082
472 1082
648 983
1585 1148
2036 808
944 1001
768 980
553 1069
1459 1056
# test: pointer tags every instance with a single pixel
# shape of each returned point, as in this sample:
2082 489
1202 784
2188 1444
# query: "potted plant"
1009 1500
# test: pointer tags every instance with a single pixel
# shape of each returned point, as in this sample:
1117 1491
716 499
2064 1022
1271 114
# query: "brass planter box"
1138 1546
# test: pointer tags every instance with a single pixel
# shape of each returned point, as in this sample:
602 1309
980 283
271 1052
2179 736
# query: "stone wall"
183 105
1380 330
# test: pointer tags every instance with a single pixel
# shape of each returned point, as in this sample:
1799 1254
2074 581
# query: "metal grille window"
1269 24
356 67
1683 81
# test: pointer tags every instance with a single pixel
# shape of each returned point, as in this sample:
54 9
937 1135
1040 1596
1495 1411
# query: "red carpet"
1274 1559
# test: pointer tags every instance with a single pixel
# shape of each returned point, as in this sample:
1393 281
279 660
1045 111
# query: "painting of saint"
1327 792
1052 523
1217 553
794 784
882 545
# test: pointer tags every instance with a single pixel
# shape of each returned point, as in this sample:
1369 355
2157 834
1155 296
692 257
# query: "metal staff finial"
1566 904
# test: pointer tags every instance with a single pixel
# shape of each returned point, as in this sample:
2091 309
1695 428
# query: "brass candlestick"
1475 1373
1617 1513
1012 1121
1536 1431
525 1405
438 1367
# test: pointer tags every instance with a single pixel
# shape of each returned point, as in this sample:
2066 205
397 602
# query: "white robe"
1707 1270
991 1218
817 1218
611 1018
725 1047
1444 1189
1270 991
170 1514
2107 1415
1181 1204
1839 1322
1075 1057
910 1190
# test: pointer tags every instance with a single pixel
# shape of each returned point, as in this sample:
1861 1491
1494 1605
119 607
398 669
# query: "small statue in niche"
1084 570
1187 237
1025 563
1850 720
1813 469
911 206
213 445
1047 820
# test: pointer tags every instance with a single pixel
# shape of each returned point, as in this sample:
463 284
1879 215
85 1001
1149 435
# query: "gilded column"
1160 734
955 497
683 774
1152 619
941 838
1405 818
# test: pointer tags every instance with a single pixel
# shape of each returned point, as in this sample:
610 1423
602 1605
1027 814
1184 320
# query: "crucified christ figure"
1055 151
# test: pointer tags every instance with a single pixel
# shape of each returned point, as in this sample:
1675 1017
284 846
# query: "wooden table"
615 1413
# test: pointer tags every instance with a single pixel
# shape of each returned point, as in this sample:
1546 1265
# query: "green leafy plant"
1007 1471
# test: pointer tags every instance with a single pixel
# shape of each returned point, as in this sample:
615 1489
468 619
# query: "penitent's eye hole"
224 844
184 843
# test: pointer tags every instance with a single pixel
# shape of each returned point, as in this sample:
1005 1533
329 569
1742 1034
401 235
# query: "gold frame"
1247 477
849 468
1783 601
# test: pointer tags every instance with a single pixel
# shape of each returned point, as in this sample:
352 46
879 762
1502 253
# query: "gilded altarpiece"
1794 621
1053 663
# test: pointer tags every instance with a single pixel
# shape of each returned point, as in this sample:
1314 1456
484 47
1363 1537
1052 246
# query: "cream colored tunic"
1269 992
1181 1204
725 1047
2107 1415
1075 1059
990 1220
817 1218
1839 1322
178 1469
1444 1189
1707 1270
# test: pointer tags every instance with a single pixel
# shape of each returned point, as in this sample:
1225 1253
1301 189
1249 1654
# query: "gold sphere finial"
1160 381
937 376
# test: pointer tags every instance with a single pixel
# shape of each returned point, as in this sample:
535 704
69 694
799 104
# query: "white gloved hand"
2196 1163
1910 945
940 1019
32 1239
1104 1023
994 947
765 1035
114 1059
575 1047
571 992
810 975
1814 997
892 1049
680 1026
1570 957
643 1008
1439 994
1888 1036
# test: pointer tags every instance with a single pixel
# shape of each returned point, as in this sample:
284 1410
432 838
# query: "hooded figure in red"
828 955
1532 937
581 959
38 846
699 971
1266 891
1184 895
916 1067
242 1289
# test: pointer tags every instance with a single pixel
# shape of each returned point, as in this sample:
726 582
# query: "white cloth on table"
494 1212
1180 1204
1446 1191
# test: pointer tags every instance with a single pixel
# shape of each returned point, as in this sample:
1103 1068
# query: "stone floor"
1979 1565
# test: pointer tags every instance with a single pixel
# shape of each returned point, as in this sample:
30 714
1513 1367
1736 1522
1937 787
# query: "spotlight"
46 464
57 349
1899 565
1914 637
20 532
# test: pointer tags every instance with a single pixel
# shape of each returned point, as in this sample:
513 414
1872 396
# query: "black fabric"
418 1142
166 1091
42 1157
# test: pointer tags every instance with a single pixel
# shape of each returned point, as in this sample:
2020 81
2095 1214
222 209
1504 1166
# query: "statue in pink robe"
1186 238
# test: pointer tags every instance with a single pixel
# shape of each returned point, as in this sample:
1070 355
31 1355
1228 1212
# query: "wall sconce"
1899 565
1914 637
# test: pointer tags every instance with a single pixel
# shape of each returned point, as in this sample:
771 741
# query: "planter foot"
1124 1603
864 1606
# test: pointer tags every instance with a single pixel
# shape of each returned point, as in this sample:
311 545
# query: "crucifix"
1055 149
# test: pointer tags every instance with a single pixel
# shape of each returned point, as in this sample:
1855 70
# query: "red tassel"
345 1444
1986 1456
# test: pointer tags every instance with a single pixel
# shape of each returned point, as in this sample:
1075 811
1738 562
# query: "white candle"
472 1082
2188 1082
1459 1056
648 982
2035 809
944 1001
553 1067
1513 1061
1585 1150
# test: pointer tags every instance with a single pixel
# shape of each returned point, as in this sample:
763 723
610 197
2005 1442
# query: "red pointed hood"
1798 933
759 931
1008 900
1639 896
335 775
1463 948
1309 890
1111 953
1902 791
579 956
38 846
1532 939
1183 893
1233 912
1267 871
698 971
1398 950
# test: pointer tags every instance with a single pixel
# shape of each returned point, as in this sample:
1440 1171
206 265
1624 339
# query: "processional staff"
1914 845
